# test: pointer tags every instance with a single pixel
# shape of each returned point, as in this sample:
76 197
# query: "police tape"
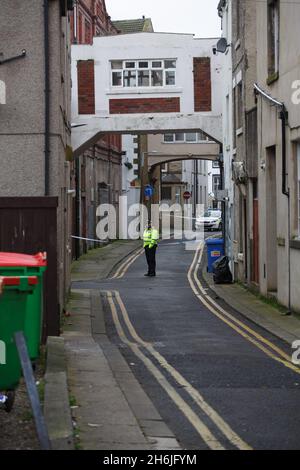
89 239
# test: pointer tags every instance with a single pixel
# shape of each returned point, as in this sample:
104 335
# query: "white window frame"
137 69
185 141
214 178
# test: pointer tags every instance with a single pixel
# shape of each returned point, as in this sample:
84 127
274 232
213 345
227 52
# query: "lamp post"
145 171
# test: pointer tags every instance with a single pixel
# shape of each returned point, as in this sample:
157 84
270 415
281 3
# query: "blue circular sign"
148 191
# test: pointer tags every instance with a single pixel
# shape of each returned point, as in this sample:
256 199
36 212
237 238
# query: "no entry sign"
187 195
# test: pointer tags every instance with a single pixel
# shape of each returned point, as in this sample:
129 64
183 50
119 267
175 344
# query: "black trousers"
150 256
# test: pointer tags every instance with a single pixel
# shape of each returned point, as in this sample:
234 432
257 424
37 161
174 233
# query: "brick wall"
91 20
202 84
86 87
144 105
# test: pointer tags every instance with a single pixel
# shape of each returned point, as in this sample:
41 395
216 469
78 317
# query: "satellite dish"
222 45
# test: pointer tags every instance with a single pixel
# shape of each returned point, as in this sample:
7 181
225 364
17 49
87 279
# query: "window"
156 78
216 180
237 110
170 64
156 64
130 65
170 77
143 73
143 78
234 118
191 137
202 137
117 64
169 137
188 137
239 106
238 18
177 194
166 193
273 38
129 78
117 78
179 137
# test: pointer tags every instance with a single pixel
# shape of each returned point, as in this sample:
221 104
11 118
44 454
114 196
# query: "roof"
134 26
170 178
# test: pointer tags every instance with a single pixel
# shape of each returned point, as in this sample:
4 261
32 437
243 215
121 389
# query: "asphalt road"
214 387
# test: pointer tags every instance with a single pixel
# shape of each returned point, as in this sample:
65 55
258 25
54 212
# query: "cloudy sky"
198 17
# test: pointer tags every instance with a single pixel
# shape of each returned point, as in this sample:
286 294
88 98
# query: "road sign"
187 195
148 191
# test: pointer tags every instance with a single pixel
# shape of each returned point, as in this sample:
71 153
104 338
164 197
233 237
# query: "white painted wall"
227 128
129 146
188 172
183 48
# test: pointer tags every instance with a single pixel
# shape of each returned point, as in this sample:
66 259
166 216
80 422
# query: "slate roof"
170 178
134 26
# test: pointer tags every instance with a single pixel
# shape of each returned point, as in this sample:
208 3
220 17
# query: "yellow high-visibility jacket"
150 237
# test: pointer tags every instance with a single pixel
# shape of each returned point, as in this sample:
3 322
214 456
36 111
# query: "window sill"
239 131
143 91
187 143
272 78
295 244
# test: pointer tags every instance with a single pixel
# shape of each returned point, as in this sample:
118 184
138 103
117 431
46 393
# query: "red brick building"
97 172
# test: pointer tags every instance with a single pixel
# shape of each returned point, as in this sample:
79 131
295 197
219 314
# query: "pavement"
110 410
285 327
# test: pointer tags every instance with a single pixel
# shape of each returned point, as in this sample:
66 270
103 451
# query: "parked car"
210 220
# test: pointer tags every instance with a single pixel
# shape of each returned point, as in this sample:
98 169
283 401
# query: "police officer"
150 244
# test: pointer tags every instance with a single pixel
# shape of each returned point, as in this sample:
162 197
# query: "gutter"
220 7
47 98
283 116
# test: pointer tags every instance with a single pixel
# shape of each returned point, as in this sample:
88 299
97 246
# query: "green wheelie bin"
17 264
14 292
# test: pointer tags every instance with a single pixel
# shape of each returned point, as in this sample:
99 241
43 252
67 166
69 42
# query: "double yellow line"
248 333
123 268
138 345
156 363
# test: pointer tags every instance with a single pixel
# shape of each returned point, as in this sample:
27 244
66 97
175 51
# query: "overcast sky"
199 17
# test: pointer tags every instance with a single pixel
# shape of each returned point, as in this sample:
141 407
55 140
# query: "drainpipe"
223 203
283 116
47 97
77 207
197 186
75 22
